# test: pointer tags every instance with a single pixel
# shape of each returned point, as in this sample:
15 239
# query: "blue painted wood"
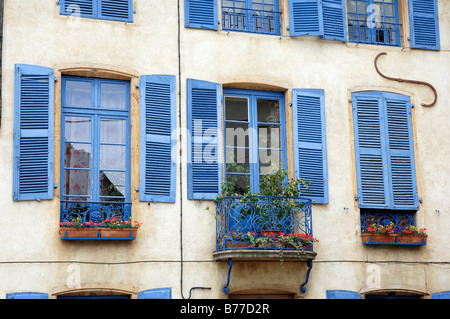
424 24
115 10
205 150
27 295
158 139
334 20
441 295
310 147
158 293
305 17
33 133
201 14
342 294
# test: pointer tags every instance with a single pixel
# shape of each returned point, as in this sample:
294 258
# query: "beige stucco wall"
33 258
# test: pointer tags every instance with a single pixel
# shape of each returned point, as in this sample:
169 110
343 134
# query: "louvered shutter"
158 293
83 8
158 123
441 295
334 20
33 133
27 295
205 141
310 149
305 17
370 167
121 10
424 24
403 193
201 14
342 294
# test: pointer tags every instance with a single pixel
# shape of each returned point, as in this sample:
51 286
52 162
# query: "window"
255 16
95 146
255 137
119 10
373 22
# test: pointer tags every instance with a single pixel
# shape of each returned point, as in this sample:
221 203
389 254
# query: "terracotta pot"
78 232
118 233
378 238
412 239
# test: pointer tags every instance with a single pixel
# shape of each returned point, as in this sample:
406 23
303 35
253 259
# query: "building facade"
143 110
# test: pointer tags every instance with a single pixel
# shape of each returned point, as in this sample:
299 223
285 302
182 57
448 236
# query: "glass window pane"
241 183
236 109
79 93
113 131
113 96
112 183
77 129
112 157
269 136
236 134
238 160
269 161
77 155
269 111
76 182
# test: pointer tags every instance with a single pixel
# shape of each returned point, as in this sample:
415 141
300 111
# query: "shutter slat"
33 133
81 7
306 17
310 156
424 24
201 14
158 170
334 20
116 10
204 149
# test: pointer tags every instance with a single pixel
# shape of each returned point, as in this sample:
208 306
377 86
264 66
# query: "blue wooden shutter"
158 293
83 8
121 10
342 294
441 295
205 141
403 192
158 123
334 20
201 14
370 167
305 17
310 148
424 24
33 133
27 295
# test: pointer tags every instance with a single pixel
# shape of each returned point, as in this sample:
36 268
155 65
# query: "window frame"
253 96
96 113
96 11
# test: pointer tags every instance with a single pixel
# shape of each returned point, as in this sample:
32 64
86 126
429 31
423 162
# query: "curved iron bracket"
302 286
408 81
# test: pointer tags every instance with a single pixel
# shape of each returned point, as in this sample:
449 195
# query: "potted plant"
412 235
117 228
78 229
376 233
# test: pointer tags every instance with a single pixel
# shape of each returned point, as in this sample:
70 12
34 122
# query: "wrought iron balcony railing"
240 221
249 20
94 211
360 31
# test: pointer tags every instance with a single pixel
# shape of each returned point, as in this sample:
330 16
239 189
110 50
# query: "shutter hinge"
290 103
137 189
55 78
137 85
58 2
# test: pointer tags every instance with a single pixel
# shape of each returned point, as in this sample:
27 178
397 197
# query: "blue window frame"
254 16
373 22
95 143
118 10
255 136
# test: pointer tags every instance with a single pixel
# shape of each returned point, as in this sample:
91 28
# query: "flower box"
395 239
68 232
118 233
379 238
412 239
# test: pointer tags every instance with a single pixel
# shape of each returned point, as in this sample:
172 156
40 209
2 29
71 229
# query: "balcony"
263 228
249 20
359 31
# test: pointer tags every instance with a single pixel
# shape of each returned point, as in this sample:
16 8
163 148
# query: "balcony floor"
262 255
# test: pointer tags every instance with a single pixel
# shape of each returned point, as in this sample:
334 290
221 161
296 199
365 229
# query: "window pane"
112 184
113 131
79 93
269 111
76 182
77 155
269 136
236 109
113 95
77 129
236 134
238 160
241 183
269 160
112 157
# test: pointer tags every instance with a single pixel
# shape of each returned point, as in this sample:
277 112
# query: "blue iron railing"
94 211
400 219
359 31
238 217
249 20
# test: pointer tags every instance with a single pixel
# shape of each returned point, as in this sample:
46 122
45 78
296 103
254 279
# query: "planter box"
412 239
118 233
78 232
98 233
394 239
